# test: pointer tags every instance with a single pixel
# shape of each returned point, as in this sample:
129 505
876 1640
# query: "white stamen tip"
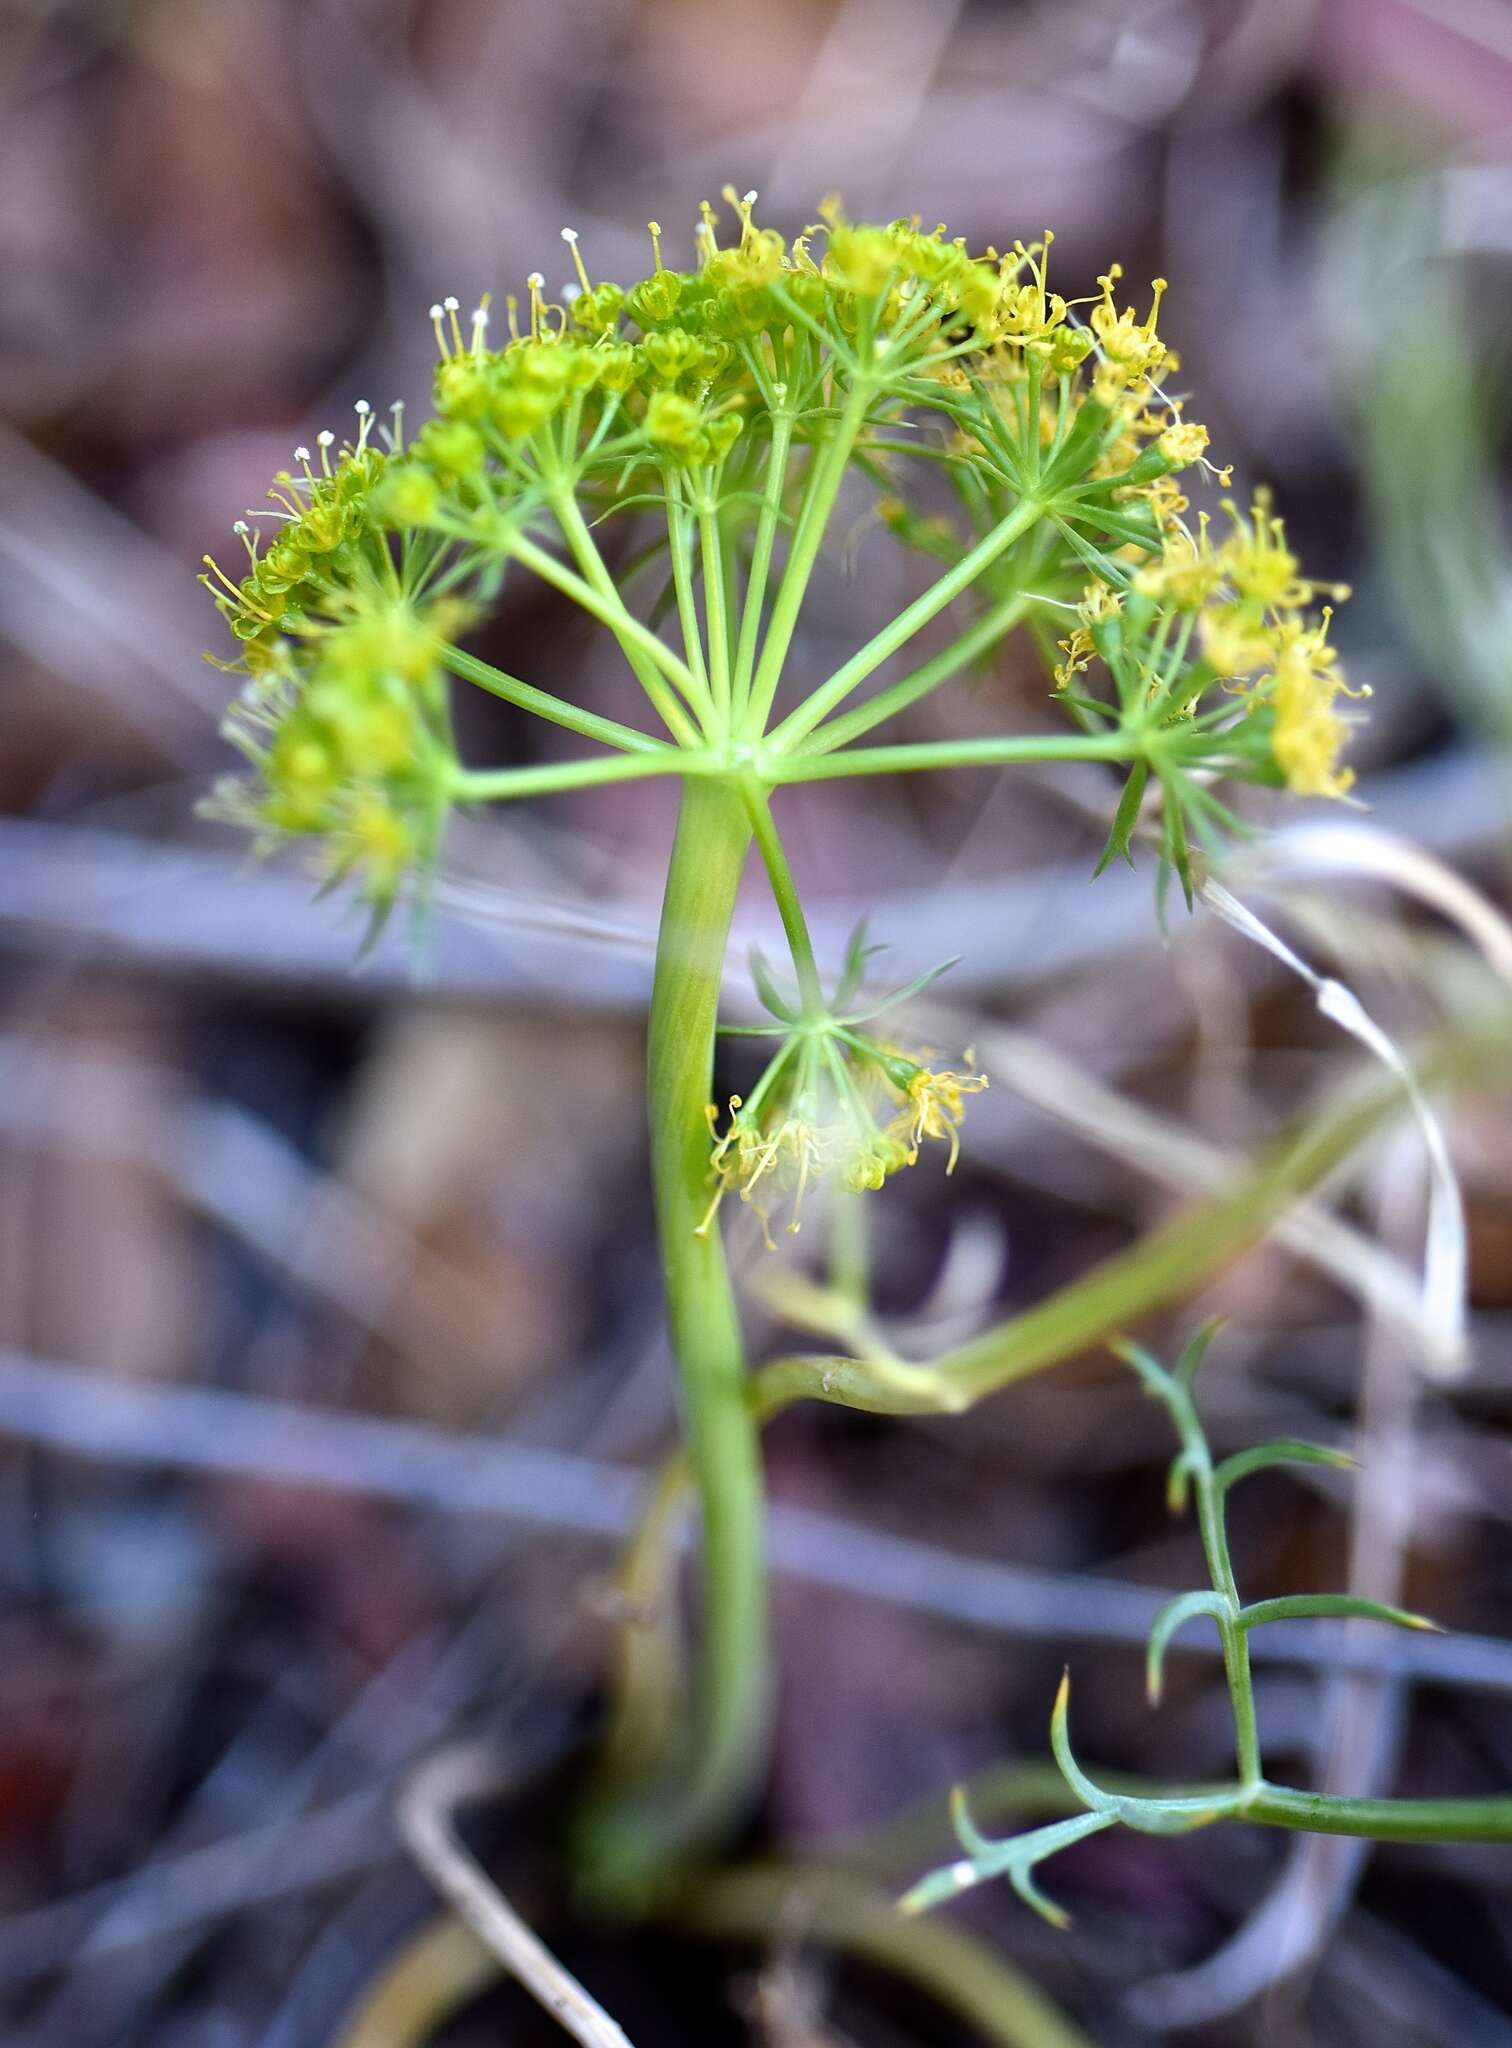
325 438
241 526
437 310
362 408
301 453
751 197
535 282
569 234
450 303
397 406
570 291
480 316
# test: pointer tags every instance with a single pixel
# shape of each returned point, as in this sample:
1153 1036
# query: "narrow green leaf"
1091 1796
857 953
1080 448
1102 565
1092 707
1125 818
1173 1616
1190 1361
1102 517
968 1834
1176 848
1178 1481
766 988
1331 1607
1285 1451
915 987
1148 1816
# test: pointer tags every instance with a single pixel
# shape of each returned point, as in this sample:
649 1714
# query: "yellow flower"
1026 313
1259 564
764 1166
936 1107
1099 602
376 841
1235 639
1188 571
1130 350
1308 734
1078 651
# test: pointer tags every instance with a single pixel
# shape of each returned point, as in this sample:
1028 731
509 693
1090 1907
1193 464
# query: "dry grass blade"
425 1815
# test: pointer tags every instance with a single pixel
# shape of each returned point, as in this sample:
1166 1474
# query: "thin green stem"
850 1250
587 724
647 655
980 753
701 1791
784 890
822 489
715 613
1210 1523
493 785
643 653
761 559
908 622
1163 1267
898 696
682 583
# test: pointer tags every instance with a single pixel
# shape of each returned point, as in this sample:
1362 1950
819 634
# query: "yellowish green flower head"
719 410
832 1104
835 1103
343 718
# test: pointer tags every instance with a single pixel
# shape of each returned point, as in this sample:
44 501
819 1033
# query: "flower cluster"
1241 608
833 1101
323 519
737 392
683 365
343 716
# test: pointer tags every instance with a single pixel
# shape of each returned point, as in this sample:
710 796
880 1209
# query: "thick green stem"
1383 1820
697 1797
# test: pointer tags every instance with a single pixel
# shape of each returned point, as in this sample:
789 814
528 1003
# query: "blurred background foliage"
232 1169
